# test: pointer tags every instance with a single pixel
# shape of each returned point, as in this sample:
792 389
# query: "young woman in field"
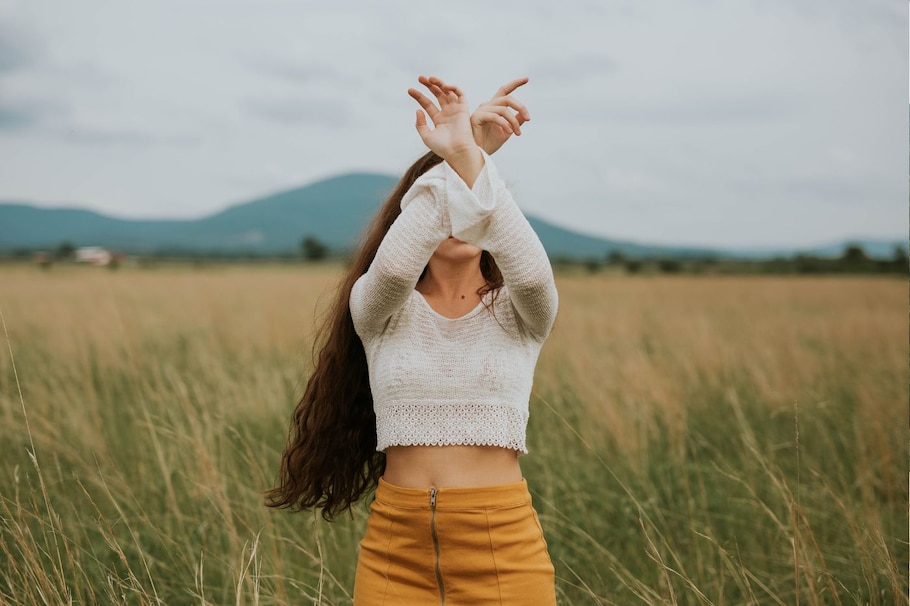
421 388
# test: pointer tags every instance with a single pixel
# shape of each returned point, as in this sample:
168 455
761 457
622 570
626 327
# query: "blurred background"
752 128
718 417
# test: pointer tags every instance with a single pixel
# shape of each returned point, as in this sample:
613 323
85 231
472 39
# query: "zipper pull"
433 498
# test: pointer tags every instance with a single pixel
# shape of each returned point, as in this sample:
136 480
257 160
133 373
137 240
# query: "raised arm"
463 197
424 221
451 137
499 227
402 254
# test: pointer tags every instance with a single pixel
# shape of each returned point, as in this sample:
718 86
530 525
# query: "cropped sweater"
443 381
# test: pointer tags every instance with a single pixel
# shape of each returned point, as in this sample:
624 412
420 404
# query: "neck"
449 280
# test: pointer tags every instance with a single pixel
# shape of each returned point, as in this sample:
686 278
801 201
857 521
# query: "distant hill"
334 210
880 249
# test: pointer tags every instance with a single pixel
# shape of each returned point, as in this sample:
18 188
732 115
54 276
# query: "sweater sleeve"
502 230
439 204
404 252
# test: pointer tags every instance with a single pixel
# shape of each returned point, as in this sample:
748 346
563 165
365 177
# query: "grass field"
694 440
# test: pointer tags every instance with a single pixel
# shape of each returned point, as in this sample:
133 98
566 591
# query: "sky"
748 123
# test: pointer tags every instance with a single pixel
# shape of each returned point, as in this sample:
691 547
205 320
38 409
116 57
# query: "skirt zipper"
442 589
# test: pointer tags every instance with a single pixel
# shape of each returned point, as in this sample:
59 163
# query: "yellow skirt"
454 547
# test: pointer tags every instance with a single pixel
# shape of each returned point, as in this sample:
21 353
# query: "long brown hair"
331 461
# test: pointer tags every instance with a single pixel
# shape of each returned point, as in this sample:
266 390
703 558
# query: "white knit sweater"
442 381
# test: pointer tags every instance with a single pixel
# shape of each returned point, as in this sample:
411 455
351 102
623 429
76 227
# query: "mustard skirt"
454 547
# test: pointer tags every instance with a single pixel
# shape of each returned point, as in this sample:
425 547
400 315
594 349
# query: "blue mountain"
334 210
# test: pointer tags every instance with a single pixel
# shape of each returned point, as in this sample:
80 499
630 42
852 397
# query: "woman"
421 389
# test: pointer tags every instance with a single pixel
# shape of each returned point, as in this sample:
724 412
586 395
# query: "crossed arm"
464 197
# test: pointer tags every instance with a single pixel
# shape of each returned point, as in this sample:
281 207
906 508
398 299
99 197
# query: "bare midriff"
450 466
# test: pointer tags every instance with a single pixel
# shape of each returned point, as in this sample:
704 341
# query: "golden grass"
694 439
635 350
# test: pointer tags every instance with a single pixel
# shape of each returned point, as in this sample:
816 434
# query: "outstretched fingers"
424 102
509 87
445 93
434 88
447 87
481 117
509 101
496 120
505 118
451 127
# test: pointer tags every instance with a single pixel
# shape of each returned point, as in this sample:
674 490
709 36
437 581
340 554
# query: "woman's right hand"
451 137
493 122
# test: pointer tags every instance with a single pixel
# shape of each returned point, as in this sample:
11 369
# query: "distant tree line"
310 248
313 248
853 260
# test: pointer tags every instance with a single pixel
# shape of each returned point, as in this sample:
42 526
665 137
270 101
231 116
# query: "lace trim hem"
451 424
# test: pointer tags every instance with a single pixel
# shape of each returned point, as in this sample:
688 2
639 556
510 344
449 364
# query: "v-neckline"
470 313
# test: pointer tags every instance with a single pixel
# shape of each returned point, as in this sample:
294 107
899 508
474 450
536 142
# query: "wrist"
488 148
467 162
464 154
479 139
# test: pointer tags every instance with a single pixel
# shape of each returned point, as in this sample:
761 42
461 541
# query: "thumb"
422 129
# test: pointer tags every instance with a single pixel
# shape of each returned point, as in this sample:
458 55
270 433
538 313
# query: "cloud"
13 118
715 109
636 105
17 49
17 53
301 71
11 57
418 47
328 112
36 89
80 76
99 137
574 68
20 113
830 189
892 14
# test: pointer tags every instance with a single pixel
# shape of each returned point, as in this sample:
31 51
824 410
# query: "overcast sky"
724 122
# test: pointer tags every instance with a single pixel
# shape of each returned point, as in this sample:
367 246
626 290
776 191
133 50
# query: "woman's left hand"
451 133
493 122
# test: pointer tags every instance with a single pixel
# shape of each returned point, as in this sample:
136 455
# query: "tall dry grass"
694 440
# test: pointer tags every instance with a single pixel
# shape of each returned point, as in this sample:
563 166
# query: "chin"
454 249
